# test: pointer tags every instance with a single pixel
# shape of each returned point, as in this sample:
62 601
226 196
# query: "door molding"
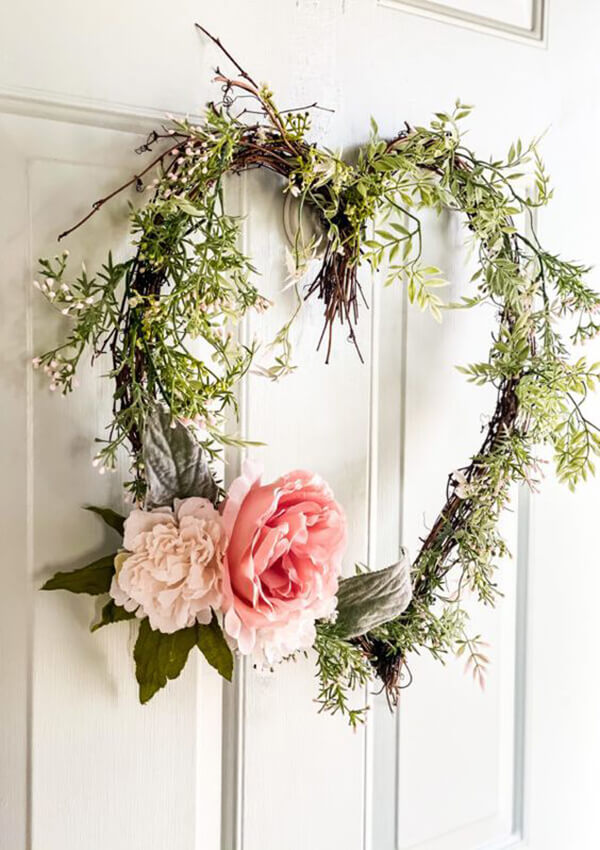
54 106
535 35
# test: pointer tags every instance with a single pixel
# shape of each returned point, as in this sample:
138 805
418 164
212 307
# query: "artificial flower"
283 560
172 571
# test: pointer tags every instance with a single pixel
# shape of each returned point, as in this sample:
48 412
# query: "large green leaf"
94 578
213 646
371 599
112 613
159 657
110 517
174 461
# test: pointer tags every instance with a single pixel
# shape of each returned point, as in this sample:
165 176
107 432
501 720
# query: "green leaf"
112 613
110 517
159 657
174 461
371 599
94 578
187 206
213 646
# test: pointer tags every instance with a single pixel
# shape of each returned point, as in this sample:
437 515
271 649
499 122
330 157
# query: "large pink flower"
284 556
172 572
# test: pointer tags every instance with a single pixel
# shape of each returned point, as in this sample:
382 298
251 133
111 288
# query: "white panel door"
253 766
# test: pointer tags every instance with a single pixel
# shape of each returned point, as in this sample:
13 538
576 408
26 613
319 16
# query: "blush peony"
172 572
283 560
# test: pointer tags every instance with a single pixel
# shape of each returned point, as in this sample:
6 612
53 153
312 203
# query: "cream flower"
172 572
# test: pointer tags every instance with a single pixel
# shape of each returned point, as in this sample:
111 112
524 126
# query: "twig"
100 203
222 47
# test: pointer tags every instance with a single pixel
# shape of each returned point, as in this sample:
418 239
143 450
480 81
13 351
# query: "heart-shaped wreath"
256 569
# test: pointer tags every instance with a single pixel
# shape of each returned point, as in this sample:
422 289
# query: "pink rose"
283 559
172 572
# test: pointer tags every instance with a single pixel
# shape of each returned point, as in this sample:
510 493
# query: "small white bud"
36 362
37 284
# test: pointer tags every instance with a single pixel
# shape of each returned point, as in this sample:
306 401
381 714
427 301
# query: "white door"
253 766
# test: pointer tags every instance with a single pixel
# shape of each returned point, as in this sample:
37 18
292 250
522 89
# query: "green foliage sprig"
188 280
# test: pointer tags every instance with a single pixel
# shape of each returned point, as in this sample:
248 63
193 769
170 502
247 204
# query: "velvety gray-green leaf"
94 578
371 599
112 613
159 657
174 462
110 517
213 646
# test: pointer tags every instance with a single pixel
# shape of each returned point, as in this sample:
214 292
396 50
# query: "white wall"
82 764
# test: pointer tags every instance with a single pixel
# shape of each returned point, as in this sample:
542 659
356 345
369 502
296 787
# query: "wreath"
257 569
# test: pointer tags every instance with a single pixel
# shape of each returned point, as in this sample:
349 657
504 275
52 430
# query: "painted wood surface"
254 767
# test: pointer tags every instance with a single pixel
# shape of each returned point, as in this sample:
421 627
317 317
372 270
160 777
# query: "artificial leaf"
112 613
110 517
159 657
213 646
371 599
174 461
94 578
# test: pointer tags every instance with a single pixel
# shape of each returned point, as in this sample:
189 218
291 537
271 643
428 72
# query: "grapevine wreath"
257 569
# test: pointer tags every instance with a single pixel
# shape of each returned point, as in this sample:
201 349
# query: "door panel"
253 766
